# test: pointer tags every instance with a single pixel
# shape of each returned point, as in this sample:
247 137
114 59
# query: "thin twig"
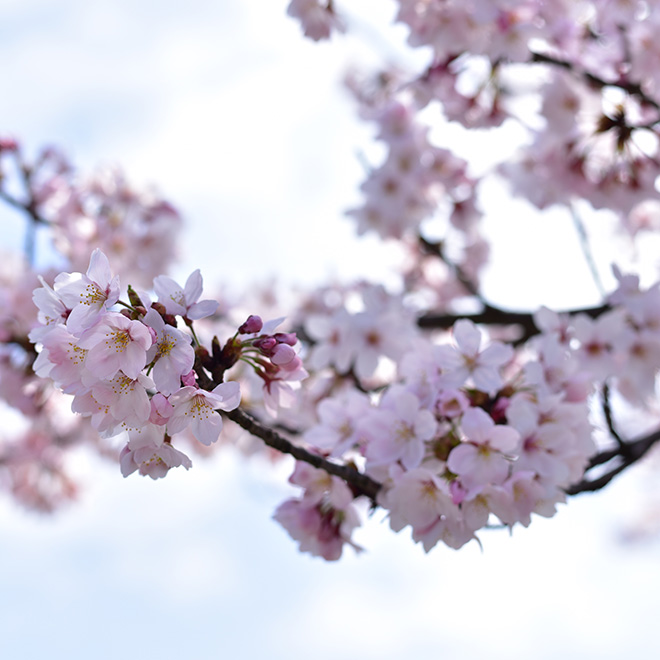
586 249
437 250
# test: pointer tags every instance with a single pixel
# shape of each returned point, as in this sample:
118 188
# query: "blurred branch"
437 249
586 249
628 452
492 315
28 207
634 89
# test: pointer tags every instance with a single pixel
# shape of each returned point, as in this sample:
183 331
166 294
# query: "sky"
243 126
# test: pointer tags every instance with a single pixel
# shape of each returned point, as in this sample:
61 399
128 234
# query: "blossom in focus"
88 295
171 352
115 343
184 301
196 409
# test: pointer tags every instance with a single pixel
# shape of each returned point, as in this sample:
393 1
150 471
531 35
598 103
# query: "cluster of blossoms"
416 179
594 135
324 517
136 229
468 431
621 346
595 145
466 435
469 435
318 19
132 371
129 371
356 342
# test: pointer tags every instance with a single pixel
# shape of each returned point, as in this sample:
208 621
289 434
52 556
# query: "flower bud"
282 354
286 338
252 325
266 345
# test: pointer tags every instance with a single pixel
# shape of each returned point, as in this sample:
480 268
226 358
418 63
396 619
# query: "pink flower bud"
457 492
282 354
286 338
266 345
161 409
188 379
252 325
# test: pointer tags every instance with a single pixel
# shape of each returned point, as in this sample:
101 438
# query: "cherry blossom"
468 361
184 301
318 19
482 458
87 296
398 430
171 353
115 343
151 454
196 408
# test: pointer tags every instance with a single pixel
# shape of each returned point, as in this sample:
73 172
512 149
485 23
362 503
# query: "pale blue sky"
241 123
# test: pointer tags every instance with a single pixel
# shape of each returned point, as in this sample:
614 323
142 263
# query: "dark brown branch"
490 314
629 454
495 316
607 412
436 249
360 483
634 89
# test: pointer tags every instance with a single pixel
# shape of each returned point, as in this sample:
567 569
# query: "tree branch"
607 412
437 250
360 483
492 315
634 89
629 453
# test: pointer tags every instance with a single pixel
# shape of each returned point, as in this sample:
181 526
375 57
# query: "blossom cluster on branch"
398 399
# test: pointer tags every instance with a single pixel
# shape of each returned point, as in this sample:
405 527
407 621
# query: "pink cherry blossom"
88 295
484 457
115 343
323 519
149 453
161 409
317 18
340 426
62 359
52 311
184 301
417 498
196 409
468 361
398 430
171 353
